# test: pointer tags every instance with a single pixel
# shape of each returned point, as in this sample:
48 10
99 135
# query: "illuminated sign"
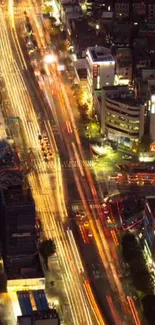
152 147
95 70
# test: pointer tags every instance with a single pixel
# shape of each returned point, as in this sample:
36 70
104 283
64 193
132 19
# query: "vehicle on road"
127 157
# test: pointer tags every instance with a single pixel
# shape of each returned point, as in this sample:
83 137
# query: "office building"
101 68
81 35
122 116
18 234
17 221
149 229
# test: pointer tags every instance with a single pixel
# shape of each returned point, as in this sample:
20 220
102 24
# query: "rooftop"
14 194
49 317
83 35
124 62
100 54
119 88
122 94
140 55
32 269
126 100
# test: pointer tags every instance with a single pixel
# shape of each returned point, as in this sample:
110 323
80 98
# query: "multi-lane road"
37 109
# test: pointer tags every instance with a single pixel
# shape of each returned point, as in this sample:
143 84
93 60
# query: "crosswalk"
79 206
75 163
52 164
19 11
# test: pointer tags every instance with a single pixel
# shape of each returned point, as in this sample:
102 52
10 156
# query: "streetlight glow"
49 59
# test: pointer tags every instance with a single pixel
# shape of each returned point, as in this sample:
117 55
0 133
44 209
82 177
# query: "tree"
47 248
48 10
129 247
55 32
148 303
82 107
93 129
83 110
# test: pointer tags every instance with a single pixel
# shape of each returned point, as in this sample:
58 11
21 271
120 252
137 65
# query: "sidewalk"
56 291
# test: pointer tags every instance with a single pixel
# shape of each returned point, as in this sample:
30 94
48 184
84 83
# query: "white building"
122 116
101 68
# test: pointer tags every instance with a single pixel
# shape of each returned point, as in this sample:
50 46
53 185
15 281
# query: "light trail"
134 311
95 226
14 33
112 308
91 296
47 199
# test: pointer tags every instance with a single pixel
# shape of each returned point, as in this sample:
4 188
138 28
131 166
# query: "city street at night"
85 204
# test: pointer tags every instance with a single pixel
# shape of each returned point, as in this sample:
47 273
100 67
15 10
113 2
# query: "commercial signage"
95 70
152 147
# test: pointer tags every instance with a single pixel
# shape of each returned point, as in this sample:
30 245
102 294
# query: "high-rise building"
101 68
17 221
122 116
18 234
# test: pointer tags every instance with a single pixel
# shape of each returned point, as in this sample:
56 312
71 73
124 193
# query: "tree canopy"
47 248
93 129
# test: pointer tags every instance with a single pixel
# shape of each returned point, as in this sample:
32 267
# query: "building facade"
121 8
17 222
151 106
124 66
149 229
122 117
101 68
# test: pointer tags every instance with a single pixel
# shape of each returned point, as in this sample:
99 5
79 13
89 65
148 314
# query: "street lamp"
97 27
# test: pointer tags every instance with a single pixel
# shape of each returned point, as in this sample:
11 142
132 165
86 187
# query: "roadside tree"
47 248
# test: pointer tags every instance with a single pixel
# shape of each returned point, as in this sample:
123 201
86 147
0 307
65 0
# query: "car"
126 157
38 224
